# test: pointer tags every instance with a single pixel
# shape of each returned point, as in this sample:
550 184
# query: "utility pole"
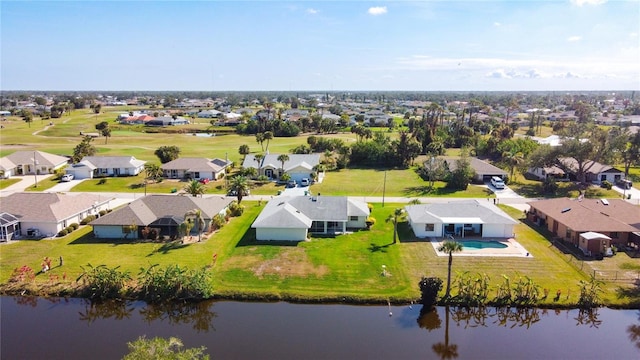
35 169
384 187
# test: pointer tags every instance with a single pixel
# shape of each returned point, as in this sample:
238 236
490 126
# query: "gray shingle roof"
196 164
48 207
43 158
105 162
481 167
286 211
145 210
295 160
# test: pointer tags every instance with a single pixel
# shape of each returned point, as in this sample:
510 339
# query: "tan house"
568 218
27 162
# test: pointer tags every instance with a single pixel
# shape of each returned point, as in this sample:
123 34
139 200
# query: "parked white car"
66 177
497 182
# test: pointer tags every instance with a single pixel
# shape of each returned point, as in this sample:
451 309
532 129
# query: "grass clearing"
4 183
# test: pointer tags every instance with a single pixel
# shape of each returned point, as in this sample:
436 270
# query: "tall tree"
283 158
104 129
631 152
194 188
260 139
85 148
268 135
152 171
240 186
167 153
397 216
513 159
449 247
244 151
195 216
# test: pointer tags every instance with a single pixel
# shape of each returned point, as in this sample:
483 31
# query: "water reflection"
634 333
198 314
98 310
588 317
429 319
512 317
471 316
444 349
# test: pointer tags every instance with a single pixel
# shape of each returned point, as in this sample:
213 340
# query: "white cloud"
588 2
377 10
312 11
496 24
574 38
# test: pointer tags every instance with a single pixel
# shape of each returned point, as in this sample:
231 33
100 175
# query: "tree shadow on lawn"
633 293
88 238
427 190
168 247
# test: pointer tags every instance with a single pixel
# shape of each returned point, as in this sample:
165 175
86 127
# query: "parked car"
204 181
624 184
235 193
292 183
497 182
305 182
66 177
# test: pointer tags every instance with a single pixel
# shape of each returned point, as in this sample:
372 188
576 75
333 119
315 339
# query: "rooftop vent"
605 201
565 210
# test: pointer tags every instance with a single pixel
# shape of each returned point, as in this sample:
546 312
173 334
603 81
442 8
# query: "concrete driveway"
635 193
296 191
25 182
64 186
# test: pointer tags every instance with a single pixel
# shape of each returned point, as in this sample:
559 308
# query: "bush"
87 220
429 288
75 226
102 282
69 229
102 212
607 185
235 209
370 222
62 233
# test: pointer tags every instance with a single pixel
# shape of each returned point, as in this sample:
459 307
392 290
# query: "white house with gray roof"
298 166
195 168
162 212
45 214
101 166
27 162
292 218
465 218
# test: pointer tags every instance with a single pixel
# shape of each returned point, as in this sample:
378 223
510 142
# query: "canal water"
38 328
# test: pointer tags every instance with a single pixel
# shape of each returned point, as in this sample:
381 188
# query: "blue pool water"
477 245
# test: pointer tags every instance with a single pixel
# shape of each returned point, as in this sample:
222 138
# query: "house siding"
420 232
497 230
108 232
359 224
281 234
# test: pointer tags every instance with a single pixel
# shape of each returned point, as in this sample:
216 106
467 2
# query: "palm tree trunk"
395 231
449 275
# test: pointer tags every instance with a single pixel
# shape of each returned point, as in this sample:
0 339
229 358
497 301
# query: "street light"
35 169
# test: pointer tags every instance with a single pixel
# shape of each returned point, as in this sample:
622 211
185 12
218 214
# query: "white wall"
360 223
497 230
420 232
281 234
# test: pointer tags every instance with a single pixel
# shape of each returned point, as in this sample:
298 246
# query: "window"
196 175
353 218
614 235
429 227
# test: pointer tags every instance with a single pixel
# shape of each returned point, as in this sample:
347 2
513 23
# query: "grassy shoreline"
341 269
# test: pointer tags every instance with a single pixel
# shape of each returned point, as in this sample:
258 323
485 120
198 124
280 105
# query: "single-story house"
162 212
568 218
548 172
7 168
595 172
593 243
45 214
195 168
465 218
101 166
28 162
298 166
167 121
209 114
483 170
291 218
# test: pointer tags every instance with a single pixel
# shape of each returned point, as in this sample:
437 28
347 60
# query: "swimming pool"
477 245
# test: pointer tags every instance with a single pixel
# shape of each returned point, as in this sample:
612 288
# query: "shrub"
102 212
62 233
75 226
235 209
429 288
370 222
87 220
69 229
607 185
102 181
174 282
21 274
102 282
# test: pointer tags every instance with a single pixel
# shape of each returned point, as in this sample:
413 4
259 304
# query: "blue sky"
320 45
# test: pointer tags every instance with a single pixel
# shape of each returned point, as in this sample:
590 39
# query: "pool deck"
513 249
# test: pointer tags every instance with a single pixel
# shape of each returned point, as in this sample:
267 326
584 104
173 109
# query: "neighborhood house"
101 166
165 213
474 218
298 166
567 219
36 215
292 218
195 168
30 162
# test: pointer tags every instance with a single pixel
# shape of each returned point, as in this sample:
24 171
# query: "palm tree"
240 186
283 158
244 150
398 215
258 158
153 172
195 216
268 135
260 139
450 247
195 188
513 159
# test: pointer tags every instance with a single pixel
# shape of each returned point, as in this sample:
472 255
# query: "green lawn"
4 183
533 188
346 266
